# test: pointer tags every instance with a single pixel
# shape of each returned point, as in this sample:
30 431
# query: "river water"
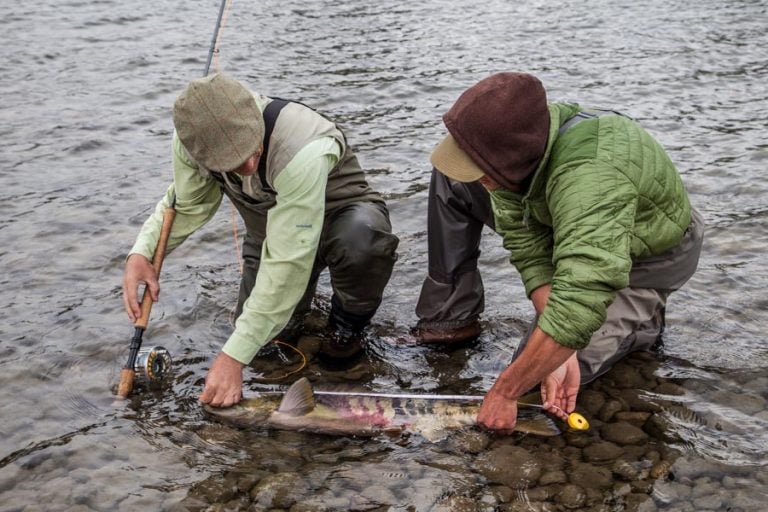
86 89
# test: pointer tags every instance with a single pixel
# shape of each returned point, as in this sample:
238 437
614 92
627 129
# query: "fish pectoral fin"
299 399
536 423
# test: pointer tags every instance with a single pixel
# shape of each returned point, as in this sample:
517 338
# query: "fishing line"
213 56
216 39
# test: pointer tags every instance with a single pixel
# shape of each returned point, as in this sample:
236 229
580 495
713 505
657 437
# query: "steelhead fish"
366 414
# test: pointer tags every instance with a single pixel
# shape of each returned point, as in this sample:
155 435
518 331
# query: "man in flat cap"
597 222
306 206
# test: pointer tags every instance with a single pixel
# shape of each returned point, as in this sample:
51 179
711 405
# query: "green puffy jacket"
605 194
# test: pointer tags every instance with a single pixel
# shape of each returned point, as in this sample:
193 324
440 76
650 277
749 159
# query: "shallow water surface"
87 87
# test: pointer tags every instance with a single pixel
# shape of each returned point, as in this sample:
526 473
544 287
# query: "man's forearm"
541 356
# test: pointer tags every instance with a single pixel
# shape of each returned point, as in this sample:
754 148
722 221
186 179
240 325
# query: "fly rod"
128 373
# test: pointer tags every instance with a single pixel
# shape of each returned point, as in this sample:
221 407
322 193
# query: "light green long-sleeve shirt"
294 225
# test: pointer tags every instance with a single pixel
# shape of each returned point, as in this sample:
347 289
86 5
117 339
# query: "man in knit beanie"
306 206
597 222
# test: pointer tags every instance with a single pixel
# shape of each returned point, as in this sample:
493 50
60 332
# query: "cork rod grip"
157 262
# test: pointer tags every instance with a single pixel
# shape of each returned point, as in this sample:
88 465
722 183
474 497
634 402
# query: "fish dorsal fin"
299 399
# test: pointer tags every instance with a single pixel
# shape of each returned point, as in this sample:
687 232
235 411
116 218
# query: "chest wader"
356 244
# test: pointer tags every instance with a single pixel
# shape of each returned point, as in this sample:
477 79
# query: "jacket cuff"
536 278
240 348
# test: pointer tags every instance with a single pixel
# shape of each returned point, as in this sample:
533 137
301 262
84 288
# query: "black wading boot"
346 333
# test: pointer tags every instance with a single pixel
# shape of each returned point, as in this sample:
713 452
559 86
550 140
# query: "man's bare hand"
560 388
497 412
224 382
138 270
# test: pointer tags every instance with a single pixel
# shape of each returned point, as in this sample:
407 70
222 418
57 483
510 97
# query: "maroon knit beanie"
502 123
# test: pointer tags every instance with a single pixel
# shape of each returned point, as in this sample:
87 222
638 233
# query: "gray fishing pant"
359 250
452 293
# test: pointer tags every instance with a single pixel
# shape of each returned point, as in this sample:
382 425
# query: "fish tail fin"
299 399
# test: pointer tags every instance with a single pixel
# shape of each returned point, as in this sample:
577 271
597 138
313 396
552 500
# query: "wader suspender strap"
587 114
271 111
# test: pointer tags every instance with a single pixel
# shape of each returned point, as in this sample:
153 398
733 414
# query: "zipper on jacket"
526 213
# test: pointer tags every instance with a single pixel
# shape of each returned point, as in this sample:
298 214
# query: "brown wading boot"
429 335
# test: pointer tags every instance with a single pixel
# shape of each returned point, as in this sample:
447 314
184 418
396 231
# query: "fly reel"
153 365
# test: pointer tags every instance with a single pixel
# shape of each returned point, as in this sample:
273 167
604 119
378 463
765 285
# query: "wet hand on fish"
224 382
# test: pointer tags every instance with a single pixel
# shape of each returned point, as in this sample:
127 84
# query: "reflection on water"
87 88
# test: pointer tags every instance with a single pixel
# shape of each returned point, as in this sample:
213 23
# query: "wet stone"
571 453
611 407
708 502
669 388
623 433
748 404
552 462
591 401
661 469
588 476
637 418
670 492
621 489
653 456
327 505
571 496
553 477
240 503
642 486
502 493
245 482
578 439
512 466
278 491
596 497
469 441
660 427
634 452
602 451
457 504
639 503
638 401
518 506
745 501
626 377
213 491
542 493
380 494
557 442
190 504
631 470
686 468
704 486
